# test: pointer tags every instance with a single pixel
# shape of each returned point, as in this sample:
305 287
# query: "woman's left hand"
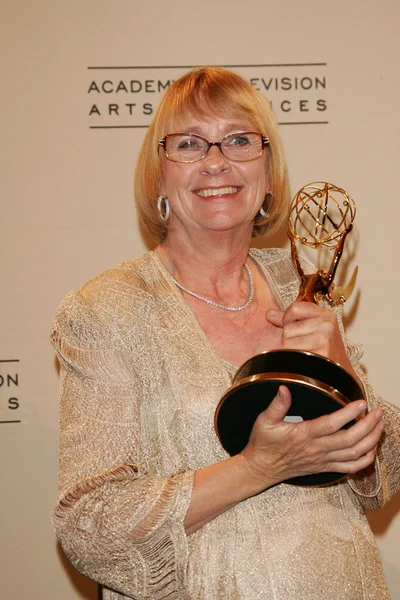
310 327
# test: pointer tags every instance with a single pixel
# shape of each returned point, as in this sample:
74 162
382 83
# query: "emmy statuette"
321 215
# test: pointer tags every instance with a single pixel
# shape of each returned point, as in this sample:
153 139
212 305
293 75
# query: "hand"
308 326
278 450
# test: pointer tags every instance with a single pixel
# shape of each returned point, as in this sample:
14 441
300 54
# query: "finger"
300 310
316 344
332 423
348 438
324 327
277 410
275 317
321 328
365 445
313 342
352 467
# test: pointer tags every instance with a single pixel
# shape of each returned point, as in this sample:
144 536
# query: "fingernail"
363 408
382 426
378 414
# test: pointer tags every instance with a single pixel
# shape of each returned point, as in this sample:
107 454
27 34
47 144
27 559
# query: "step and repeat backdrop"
80 83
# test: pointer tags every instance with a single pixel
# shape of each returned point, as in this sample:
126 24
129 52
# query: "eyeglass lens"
181 147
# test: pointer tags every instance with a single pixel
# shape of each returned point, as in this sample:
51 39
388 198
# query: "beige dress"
140 384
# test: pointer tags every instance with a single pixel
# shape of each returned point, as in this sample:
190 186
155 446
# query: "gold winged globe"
321 215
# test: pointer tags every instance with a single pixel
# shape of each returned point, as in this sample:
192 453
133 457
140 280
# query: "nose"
214 161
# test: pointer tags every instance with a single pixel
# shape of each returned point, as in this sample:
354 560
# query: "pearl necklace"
217 304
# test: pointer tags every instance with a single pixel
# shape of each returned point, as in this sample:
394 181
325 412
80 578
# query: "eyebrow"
232 128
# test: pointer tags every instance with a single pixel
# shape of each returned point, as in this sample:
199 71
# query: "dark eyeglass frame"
264 144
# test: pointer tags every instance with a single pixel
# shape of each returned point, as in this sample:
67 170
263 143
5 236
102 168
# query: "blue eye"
239 140
188 144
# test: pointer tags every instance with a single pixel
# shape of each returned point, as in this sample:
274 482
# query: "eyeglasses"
189 147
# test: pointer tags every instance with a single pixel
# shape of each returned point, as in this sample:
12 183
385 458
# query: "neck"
210 264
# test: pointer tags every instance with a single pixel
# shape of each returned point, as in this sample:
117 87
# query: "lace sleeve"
377 485
117 522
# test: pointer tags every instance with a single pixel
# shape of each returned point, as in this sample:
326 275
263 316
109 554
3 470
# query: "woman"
150 505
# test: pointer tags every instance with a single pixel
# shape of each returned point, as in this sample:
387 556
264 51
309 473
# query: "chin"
226 225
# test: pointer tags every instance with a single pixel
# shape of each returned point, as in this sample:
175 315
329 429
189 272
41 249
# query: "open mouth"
222 191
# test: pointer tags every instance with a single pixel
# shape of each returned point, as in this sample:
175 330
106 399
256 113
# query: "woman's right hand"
278 450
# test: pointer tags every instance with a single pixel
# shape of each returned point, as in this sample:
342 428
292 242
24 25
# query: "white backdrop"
67 208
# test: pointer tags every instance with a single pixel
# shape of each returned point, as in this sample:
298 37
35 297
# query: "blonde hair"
200 93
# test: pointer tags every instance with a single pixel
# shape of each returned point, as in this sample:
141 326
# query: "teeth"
217 191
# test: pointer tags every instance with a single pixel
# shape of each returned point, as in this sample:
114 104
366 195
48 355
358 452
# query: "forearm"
127 533
220 487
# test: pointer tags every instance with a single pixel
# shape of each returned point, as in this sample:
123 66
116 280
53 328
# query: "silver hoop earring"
264 213
163 208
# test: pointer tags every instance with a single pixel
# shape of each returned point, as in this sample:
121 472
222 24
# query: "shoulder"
280 259
135 278
280 272
130 279
96 313
268 256
279 256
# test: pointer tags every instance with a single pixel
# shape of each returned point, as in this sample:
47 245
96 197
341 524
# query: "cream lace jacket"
140 383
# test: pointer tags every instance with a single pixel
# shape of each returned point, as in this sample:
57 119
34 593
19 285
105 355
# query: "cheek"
263 175
259 181
254 171
177 178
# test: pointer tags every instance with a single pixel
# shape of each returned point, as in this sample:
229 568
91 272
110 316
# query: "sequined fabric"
140 383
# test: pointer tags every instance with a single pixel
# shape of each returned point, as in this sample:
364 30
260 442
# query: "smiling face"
216 101
215 193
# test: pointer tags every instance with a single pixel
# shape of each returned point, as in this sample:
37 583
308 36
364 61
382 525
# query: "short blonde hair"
201 93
